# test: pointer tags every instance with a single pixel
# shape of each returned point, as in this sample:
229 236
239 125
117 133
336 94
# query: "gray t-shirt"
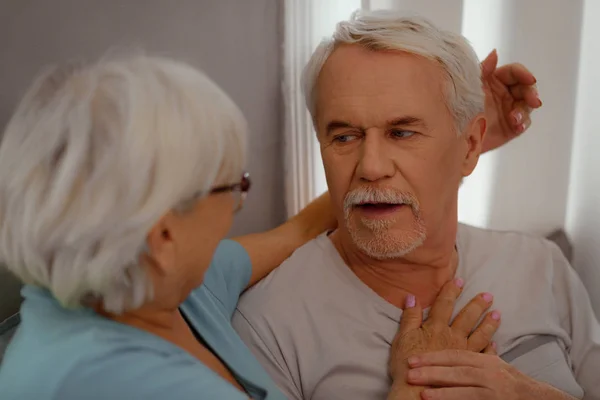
323 334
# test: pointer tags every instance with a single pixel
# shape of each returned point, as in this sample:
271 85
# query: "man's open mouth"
378 206
378 209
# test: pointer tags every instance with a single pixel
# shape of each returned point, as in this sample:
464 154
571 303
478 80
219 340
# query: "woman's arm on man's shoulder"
267 250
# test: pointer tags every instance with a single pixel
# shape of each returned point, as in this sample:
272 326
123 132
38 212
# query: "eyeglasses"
240 190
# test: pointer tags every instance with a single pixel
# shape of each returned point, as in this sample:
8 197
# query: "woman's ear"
161 246
473 138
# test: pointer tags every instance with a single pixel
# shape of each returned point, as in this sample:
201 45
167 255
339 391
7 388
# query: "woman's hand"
416 337
464 375
269 249
510 96
316 218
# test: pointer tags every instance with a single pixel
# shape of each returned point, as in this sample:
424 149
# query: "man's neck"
421 273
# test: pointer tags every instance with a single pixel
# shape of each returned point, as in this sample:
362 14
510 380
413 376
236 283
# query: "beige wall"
236 42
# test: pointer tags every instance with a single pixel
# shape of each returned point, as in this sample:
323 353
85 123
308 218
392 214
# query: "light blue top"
60 354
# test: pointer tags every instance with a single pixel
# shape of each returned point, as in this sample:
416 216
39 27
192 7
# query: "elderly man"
398 108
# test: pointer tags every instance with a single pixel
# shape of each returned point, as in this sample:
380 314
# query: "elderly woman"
118 183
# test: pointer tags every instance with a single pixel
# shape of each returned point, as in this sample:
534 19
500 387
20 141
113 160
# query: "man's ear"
473 138
161 246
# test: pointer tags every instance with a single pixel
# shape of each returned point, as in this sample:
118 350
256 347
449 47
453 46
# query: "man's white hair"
393 30
94 156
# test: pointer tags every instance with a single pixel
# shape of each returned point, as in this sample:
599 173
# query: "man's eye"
402 134
344 138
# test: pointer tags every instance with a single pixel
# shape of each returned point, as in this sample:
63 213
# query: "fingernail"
496 315
518 118
459 282
521 128
537 95
410 301
488 297
413 361
427 394
494 346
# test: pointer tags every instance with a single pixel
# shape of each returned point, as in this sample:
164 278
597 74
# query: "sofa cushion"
559 237
7 330
10 294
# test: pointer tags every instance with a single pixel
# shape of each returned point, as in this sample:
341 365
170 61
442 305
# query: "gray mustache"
379 195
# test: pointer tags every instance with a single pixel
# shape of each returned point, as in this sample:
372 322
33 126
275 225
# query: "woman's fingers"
527 93
442 308
466 320
489 64
520 117
514 74
523 127
481 337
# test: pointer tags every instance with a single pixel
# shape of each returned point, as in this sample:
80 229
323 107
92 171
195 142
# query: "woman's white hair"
393 30
94 156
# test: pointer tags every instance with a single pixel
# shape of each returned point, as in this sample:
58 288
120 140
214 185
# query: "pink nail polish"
488 297
496 315
494 346
410 301
518 118
459 282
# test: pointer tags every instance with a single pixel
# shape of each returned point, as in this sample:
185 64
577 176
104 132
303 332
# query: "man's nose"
374 163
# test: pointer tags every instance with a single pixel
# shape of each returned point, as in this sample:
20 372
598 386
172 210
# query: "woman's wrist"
314 219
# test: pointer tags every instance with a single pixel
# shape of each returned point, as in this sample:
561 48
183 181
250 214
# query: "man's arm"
573 304
465 375
269 249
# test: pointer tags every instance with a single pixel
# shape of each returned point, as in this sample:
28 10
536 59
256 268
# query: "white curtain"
306 23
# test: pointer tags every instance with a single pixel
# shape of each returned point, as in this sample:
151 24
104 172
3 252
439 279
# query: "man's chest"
347 357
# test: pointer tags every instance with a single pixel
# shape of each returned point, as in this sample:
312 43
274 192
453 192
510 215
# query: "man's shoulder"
513 249
497 240
302 273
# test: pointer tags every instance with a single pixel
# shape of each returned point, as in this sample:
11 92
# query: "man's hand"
510 95
464 375
416 337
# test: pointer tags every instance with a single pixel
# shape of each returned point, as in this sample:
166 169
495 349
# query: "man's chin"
385 246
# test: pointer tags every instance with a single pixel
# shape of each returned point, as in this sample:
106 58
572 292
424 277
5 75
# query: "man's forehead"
355 78
355 65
